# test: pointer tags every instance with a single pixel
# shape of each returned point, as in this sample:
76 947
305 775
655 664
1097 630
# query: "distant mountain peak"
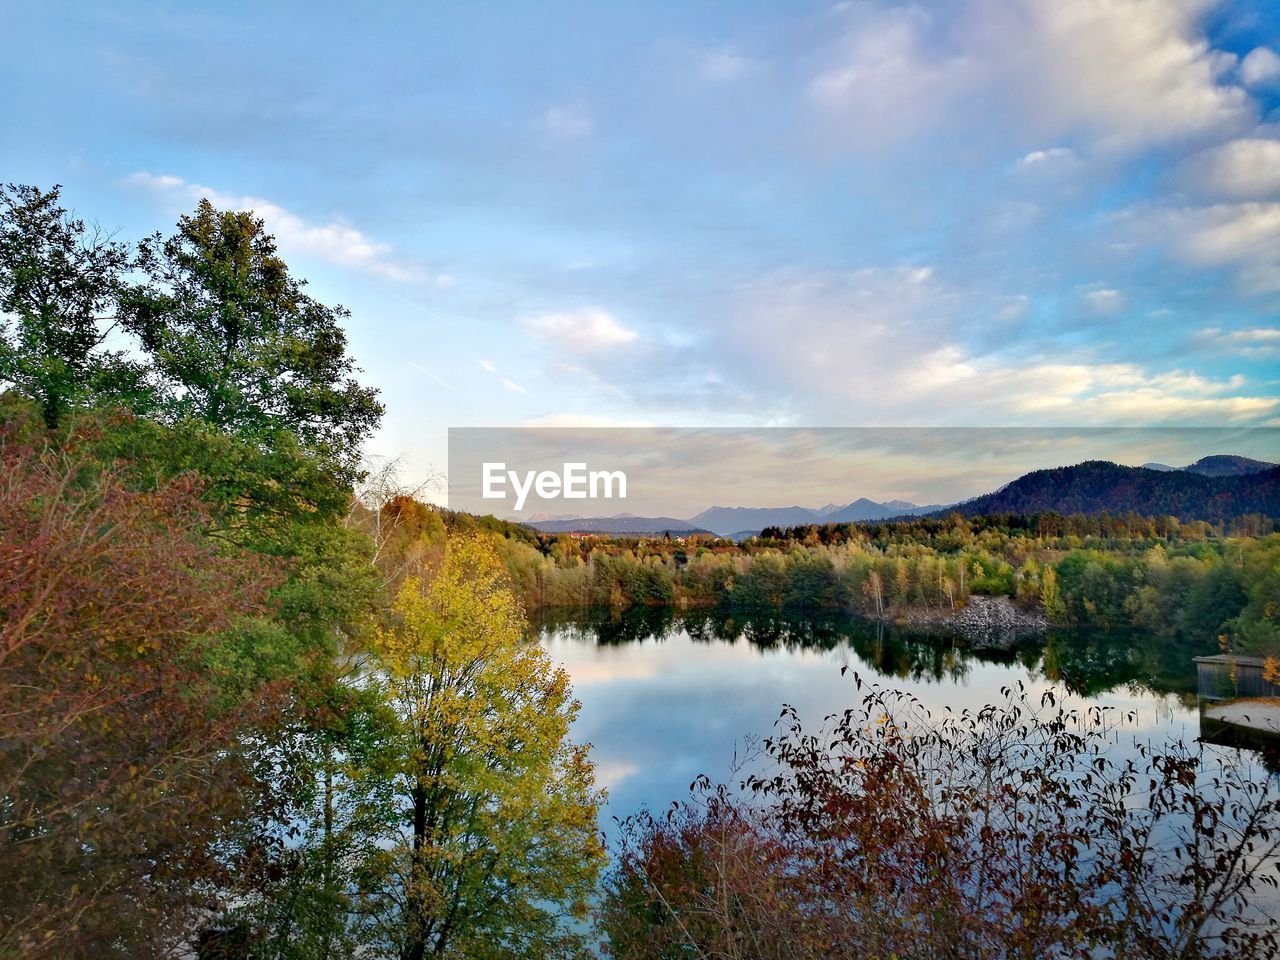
737 521
1100 486
1227 465
622 525
1216 465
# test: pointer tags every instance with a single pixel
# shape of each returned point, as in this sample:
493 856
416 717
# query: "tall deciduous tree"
500 806
59 284
240 344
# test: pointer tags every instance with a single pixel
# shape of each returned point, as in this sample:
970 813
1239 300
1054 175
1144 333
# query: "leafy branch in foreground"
1025 829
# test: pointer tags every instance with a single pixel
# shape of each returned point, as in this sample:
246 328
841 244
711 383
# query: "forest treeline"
1191 579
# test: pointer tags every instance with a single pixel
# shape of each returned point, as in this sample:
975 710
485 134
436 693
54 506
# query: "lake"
667 696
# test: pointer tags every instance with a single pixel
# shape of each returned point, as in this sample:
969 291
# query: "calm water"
667 697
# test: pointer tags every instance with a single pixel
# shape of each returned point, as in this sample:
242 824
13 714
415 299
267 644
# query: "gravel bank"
983 621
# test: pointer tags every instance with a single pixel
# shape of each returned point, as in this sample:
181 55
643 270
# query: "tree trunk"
415 944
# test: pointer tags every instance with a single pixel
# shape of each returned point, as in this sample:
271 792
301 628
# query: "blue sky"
980 212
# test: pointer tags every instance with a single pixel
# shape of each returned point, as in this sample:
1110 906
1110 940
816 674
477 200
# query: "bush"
1020 830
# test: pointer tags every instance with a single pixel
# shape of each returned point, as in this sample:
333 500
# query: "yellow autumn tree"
498 851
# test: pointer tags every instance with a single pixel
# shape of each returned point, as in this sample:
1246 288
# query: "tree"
499 808
239 344
298 898
59 278
120 767
874 588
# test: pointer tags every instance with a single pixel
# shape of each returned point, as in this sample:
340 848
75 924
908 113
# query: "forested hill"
1099 486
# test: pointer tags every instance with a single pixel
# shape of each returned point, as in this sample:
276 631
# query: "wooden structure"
1227 676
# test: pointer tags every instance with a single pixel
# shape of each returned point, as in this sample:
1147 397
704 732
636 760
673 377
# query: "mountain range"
729 520
735 522
622 523
1214 488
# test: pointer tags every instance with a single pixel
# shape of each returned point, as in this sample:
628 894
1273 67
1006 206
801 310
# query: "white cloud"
885 345
1230 232
1260 68
884 80
722 66
1050 157
1015 308
1255 335
1244 236
1128 71
1121 73
1104 302
162 181
587 330
1089 392
1251 342
610 773
336 242
1243 169
572 121
489 367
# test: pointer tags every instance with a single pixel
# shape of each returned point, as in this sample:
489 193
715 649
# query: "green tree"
59 283
1258 624
500 807
239 344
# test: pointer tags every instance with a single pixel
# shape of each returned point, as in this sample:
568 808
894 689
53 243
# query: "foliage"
1019 830
1158 574
119 763
499 806
238 344
300 902
253 394
1258 623
1182 587
58 279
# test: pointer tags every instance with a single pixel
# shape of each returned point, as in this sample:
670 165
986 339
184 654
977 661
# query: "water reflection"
1262 744
668 695
1086 663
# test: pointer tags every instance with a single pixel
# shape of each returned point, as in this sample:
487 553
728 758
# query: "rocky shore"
983 621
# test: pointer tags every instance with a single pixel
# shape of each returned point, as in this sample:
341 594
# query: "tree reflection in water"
1085 662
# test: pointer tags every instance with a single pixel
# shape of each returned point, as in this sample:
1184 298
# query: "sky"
722 214
679 472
